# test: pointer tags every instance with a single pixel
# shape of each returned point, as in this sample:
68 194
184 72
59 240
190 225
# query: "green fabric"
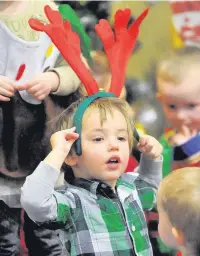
69 14
167 155
63 211
113 220
147 199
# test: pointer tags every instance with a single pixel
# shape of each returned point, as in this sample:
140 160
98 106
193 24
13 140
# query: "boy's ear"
71 159
158 96
178 235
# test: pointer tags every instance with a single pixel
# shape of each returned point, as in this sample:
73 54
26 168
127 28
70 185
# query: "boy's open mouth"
113 160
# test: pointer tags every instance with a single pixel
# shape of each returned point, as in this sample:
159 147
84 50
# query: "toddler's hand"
41 85
62 141
7 88
182 136
150 147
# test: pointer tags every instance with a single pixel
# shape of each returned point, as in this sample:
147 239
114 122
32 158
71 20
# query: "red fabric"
20 72
168 129
132 164
23 249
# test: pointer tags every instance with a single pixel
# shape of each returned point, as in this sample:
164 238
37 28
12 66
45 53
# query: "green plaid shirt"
98 221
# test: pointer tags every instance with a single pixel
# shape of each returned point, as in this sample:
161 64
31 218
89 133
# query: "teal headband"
78 116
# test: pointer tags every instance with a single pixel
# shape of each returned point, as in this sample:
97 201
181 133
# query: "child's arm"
150 168
60 81
149 171
68 80
38 197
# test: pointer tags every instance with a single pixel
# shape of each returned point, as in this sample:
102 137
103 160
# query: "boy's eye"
98 139
172 106
121 138
191 106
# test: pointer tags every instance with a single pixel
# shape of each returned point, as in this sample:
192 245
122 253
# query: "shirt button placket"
133 228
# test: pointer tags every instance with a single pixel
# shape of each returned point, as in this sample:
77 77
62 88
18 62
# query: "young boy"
100 208
178 89
179 193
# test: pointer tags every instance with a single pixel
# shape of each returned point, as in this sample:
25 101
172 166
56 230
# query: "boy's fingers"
193 131
40 97
37 88
7 87
185 131
146 149
42 91
21 87
156 155
2 98
27 86
142 142
8 81
5 92
71 129
71 136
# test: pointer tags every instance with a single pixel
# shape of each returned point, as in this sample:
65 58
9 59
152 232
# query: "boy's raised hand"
7 88
63 140
61 143
150 147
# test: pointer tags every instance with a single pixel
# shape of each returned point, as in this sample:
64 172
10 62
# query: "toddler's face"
181 102
105 147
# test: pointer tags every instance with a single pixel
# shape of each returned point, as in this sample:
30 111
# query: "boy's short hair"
175 65
104 105
179 197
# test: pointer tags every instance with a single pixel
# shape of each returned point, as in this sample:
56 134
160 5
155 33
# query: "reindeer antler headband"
118 48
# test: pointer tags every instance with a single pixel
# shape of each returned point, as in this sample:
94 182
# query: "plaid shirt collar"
98 187
94 186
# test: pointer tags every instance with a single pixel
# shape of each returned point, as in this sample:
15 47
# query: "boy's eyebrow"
103 129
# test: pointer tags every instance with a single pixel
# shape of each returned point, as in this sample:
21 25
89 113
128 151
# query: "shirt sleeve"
69 81
147 182
39 199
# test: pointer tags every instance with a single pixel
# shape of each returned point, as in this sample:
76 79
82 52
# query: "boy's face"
182 102
105 148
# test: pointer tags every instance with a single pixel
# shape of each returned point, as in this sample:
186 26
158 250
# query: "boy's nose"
113 146
181 114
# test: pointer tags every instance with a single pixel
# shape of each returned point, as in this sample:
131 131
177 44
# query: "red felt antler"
119 47
68 44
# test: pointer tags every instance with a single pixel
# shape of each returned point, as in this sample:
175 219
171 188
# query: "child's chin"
112 176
